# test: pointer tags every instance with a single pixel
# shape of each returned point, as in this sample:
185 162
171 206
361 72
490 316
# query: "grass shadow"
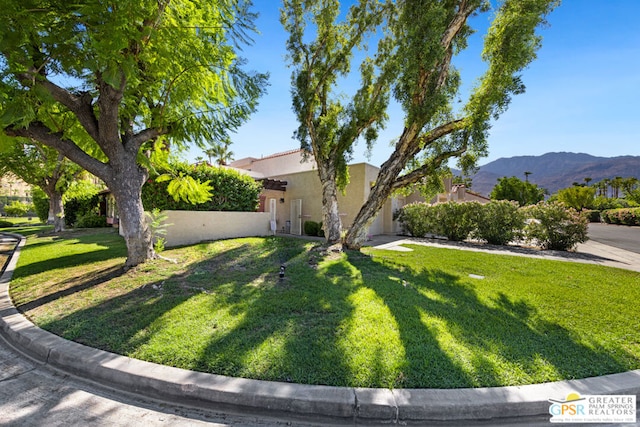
490 343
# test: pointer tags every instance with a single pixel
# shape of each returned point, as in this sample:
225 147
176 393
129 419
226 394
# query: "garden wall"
190 227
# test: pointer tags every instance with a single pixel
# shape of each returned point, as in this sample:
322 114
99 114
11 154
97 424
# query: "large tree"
106 83
43 167
417 46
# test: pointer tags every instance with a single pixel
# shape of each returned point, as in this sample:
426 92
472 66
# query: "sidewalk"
344 405
590 252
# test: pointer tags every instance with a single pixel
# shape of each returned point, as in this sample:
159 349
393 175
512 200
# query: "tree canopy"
517 190
417 43
42 167
108 84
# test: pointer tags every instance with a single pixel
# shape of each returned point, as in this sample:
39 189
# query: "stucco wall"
277 164
188 227
306 186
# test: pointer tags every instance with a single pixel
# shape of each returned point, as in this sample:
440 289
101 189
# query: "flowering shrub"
455 220
499 222
414 219
555 226
625 216
549 225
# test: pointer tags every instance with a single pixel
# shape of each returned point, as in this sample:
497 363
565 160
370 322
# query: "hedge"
548 225
232 191
624 216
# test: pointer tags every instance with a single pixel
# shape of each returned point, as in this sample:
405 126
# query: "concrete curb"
307 401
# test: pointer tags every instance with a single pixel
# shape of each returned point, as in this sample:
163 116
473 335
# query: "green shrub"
499 222
555 226
604 203
232 191
415 219
624 216
17 208
90 220
592 215
320 230
310 228
577 197
80 206
4 223
41 204
454 220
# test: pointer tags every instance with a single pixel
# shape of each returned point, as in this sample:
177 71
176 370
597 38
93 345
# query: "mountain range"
554 171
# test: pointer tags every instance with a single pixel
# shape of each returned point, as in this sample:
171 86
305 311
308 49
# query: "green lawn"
372 319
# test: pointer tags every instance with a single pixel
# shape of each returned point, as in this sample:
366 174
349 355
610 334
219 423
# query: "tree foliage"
16 208
107 83
42 167
417 42
230 190
514 189
577 197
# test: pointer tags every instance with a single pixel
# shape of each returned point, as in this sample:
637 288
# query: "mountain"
554 171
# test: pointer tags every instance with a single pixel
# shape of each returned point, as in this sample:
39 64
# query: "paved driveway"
619 236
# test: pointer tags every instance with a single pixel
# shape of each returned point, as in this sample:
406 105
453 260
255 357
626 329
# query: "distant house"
293 192
458 193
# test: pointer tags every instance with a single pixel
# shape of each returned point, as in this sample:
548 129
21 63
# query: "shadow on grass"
443 322
230 314
97 278
105 245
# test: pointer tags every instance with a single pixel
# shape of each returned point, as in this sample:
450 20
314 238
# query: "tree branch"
417 174
421 143
143 136
39 132
81 106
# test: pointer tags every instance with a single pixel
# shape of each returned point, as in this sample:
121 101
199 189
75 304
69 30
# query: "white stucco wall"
188 227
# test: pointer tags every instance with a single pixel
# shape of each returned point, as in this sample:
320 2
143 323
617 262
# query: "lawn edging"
180 386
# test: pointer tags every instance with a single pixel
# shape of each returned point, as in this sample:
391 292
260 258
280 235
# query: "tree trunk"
56 211
389 172
330 213
126 187
56 207
357 233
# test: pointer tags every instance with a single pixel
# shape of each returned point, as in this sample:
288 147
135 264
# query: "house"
458 193
293 192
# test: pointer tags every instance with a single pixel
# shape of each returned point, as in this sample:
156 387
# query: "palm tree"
600 187
526 175
220 152
587 180
616 183
607 183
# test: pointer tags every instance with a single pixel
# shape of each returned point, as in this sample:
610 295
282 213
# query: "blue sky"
582 92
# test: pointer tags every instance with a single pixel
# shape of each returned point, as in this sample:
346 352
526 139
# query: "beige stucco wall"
188 227
277 164
306 186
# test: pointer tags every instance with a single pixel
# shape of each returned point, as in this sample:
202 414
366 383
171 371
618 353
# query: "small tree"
514 189
42 167
577 197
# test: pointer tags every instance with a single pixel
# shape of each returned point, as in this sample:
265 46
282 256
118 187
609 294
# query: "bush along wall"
547 225
83 207
232 191
625 216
